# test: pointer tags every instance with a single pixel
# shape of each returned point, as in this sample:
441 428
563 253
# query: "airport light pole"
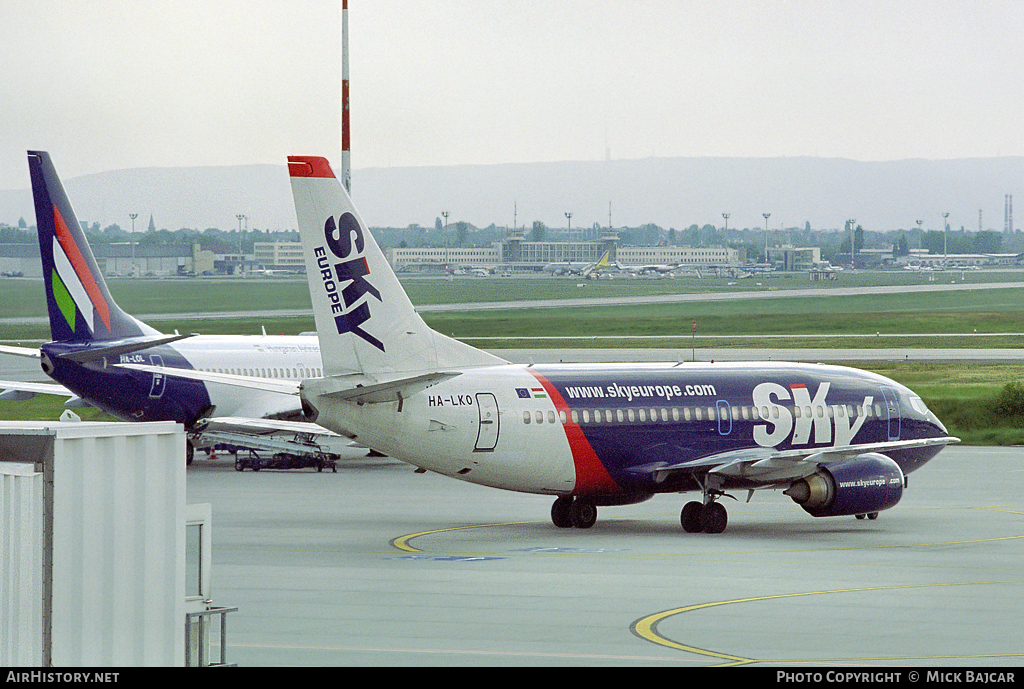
766 216
945 233
569 216
444 214
132 241
240 217
853 259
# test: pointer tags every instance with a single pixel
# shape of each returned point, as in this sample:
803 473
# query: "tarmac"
376 565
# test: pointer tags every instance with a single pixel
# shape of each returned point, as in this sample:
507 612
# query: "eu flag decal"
523 393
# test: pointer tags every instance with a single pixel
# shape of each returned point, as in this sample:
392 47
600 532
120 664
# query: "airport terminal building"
517 255
124 260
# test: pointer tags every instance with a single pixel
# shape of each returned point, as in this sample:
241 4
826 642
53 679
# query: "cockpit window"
918 405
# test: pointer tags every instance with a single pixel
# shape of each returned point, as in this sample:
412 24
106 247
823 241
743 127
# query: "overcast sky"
112 84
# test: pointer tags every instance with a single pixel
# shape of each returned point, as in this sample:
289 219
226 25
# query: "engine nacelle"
869 483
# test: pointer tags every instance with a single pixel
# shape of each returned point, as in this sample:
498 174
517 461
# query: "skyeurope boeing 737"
838 441
91 334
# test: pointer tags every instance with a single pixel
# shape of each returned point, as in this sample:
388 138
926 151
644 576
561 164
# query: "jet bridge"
101 561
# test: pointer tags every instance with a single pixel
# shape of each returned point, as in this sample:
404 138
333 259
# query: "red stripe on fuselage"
309 166
591 476
78 262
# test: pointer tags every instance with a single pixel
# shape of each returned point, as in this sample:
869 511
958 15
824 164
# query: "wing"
270 435
355 388
17 390
284 387
769 466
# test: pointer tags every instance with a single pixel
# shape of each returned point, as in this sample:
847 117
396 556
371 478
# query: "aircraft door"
892 404
157 389
724 417
487 435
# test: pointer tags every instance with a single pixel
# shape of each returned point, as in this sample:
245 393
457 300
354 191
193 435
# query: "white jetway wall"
114 540
21 565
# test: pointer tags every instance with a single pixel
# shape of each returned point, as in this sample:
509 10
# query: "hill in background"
670 192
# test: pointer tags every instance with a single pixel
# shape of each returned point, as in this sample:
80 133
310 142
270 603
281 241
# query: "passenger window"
619 416
697 415
526 417
642 414
675 413
575 417
561 416
586 416
551 417
686 413
540 417
631 415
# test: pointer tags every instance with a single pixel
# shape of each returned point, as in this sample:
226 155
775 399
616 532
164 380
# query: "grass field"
962 395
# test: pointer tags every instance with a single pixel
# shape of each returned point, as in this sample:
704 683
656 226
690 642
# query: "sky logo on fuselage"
344 238
792 414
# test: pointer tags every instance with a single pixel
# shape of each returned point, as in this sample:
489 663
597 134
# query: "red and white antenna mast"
346 151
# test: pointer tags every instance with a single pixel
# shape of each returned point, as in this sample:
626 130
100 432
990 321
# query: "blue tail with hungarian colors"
79 305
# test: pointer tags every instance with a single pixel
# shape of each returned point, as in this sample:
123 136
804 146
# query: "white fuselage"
294 357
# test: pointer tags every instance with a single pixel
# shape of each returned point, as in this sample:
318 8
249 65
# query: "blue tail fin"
79 305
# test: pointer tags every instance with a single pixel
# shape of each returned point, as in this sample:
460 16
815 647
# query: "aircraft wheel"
690 517
560 512
713 517
862 516
872 515
583 513
238 465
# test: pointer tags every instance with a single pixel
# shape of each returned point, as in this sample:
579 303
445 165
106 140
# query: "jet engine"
866 484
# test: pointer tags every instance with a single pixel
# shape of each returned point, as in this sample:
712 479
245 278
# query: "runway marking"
647 627
403 542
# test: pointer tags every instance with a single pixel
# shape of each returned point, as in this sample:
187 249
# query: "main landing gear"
709 517
576 512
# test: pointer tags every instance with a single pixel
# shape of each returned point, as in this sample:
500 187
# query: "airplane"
583 268
91 333
648 268
838 441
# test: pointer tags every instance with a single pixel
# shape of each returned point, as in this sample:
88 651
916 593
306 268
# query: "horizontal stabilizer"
390 391
99 353
21 351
